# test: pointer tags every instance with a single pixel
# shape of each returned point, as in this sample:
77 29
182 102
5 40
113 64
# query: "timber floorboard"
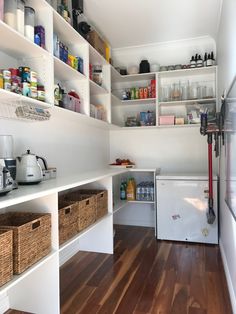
145 276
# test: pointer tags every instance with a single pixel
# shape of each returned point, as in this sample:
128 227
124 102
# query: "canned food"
1 80
33 92
136 93
7 85
6 74
26 89
24 74
132 93
141 93
33 78
145 92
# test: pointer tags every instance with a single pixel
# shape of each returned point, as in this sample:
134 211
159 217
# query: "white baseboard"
228 278
4 303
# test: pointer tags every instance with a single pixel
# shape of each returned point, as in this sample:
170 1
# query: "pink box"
167 120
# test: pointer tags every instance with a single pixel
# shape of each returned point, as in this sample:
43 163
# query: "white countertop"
29 192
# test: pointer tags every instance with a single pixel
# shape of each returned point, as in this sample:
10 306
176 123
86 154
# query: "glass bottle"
10 18
29 23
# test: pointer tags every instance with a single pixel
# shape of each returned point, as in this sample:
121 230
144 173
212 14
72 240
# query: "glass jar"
185 90
194 90
175 92
10 18
165 93
29 23
20 13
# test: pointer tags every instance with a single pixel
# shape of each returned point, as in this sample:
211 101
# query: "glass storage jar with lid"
20 13
29 23
10 18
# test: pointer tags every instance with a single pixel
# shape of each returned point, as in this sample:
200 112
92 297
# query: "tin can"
33 92
141 93
26 89
136 93
33 78
7 85
145 92
80 65
1 80
132 96
24 74
6 75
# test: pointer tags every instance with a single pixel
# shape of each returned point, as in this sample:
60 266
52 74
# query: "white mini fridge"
182 205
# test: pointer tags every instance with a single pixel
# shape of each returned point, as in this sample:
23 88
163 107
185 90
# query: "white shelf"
157 170
95 89
65 72
65 31
17 45
95 57
142 202
10 96
190 101
118 78
118 205
28 193
151 127
139 101
197 125
82 118
17 278
82 233
187 72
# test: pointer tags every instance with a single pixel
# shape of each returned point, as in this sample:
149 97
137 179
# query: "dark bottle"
199 62
192 62
212 58
209 60
196 57
205 60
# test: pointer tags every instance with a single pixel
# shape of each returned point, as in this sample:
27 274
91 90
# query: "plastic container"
29 23
10 16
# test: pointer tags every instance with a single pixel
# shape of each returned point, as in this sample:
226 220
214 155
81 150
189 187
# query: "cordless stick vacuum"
204 130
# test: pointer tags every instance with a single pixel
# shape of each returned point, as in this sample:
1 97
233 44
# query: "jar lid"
29 8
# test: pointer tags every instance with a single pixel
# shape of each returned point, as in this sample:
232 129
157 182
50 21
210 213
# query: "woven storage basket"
6 258
87 208
68 219
31 237
101 201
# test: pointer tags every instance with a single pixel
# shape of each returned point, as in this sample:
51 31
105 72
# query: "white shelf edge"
119 204
99 89
180 71
68 68
189 101
138 101
145 170
142 202
180 126
82 233
17 278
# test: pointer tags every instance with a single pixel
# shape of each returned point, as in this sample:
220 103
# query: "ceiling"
128 23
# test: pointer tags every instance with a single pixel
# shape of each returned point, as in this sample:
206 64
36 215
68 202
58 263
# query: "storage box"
86 206
167 120
96 41
6 257
68 219
31 237
101 201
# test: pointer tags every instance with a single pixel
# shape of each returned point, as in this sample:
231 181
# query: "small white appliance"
29 170
182 204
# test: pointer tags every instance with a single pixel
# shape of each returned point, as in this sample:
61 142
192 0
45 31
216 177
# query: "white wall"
226 47
63 141
166 53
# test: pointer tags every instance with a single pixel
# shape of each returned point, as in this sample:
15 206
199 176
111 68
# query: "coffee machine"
6 158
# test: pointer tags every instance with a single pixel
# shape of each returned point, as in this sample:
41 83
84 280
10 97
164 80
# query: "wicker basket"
101 201
68 219
6 258
31 237
87 208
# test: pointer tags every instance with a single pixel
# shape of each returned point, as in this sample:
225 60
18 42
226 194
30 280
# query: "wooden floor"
145 276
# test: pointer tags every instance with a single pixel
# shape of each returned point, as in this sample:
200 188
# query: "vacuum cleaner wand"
210 214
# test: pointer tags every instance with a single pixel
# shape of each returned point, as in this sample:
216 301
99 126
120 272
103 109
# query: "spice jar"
10 7
29 23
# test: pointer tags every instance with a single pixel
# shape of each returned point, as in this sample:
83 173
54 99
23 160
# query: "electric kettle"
28 169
